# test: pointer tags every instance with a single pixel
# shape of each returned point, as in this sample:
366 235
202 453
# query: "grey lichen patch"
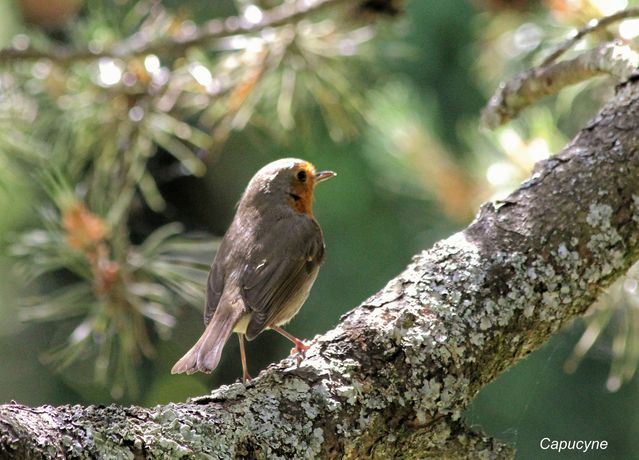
540 286
599 215
267 424
224 392
606 236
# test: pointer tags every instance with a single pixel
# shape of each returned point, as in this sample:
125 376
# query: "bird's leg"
300 347
245 375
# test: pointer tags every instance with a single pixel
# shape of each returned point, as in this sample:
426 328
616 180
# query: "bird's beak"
323 175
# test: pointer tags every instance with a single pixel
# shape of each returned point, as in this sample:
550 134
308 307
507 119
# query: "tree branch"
615 59
593 26
139 45
393 377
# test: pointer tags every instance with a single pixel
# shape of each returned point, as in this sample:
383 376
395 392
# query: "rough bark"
392 379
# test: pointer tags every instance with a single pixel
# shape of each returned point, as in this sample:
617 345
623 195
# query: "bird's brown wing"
215 284
278 270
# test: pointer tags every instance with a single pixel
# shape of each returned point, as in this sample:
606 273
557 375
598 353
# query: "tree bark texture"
392 379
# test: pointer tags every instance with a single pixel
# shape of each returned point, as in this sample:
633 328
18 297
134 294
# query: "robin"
266 264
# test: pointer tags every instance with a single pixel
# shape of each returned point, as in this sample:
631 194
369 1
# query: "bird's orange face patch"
302 186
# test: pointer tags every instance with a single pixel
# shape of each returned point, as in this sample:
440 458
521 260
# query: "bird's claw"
299 351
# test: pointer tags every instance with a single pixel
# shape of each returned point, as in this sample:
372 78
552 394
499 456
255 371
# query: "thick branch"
392 379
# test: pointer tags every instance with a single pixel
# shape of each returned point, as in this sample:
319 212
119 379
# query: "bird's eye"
301 176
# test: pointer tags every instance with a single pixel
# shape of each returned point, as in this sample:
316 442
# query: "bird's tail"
205 354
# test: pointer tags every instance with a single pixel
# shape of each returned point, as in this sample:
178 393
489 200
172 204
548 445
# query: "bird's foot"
300 347
299 351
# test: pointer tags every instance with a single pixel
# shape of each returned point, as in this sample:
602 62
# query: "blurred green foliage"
118 174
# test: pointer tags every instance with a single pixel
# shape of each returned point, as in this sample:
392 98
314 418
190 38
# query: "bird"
265 265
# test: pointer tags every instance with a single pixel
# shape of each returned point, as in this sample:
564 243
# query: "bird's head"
290 180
